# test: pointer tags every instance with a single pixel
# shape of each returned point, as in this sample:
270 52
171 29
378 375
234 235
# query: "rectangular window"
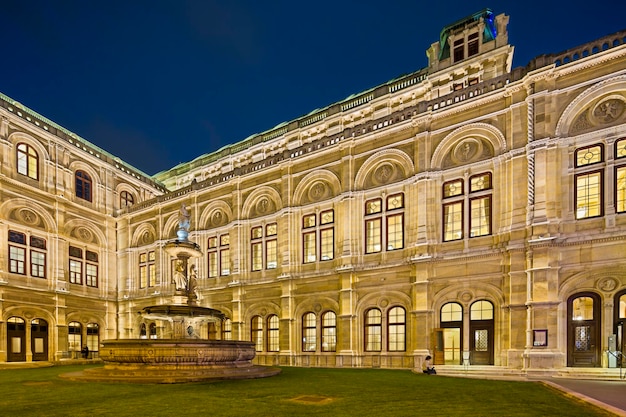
480 216
309 247
588 195
459 50
472 44
91 275
257 256
225 262
18 248
453 221
620 189
212 257
17 258
271 254
373 235
147 269
37 264
76 271
589 155
218 255
318 237
395 232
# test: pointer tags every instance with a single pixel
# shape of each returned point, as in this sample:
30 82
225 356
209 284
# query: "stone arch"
215 214
262 201
466 296
22 137
263 309
604 282
467 144
144 234
583 112
316 186
383 300
129 189
28 213
317 306
384 167
85 231
28 313
95 180
84 318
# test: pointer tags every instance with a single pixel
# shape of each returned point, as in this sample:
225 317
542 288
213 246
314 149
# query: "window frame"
83 185
27 161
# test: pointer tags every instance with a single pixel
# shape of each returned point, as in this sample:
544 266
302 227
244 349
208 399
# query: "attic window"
472 44
459 50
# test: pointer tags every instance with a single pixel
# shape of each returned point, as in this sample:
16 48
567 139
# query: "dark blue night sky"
157 83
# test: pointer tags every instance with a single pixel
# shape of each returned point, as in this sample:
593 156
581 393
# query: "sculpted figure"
179 277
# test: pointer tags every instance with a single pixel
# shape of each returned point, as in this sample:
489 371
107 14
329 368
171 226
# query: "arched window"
75 340
143 334
582 308
256 332
451 312
93 337
396 330
153 330
227 329
273 333
329 332
309 332
481 310
83 185
27 161
126 199
373 330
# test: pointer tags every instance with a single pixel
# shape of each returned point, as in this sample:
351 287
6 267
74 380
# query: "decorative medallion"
317 191
606 284
465 296
146 237
218 218
383 302
384 173
262 206
317 308
609 110
263 312
84 234
467 150
28 216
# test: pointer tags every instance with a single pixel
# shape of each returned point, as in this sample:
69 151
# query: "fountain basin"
174 361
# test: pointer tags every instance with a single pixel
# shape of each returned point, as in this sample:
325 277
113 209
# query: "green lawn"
295 392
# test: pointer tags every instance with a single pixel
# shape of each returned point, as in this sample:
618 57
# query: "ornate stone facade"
467 210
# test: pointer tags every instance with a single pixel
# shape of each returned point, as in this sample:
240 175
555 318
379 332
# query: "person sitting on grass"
428 368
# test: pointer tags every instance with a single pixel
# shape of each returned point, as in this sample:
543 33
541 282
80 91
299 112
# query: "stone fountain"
184 357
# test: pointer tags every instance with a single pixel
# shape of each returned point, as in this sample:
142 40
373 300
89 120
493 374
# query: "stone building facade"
467 210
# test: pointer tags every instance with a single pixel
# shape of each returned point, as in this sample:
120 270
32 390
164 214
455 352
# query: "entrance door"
39 339
481 333
481 343
583 334
16 338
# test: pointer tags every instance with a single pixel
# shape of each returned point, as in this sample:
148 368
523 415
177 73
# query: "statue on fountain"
183 223
179 278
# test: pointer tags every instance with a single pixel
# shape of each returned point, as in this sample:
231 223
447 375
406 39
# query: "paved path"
609 395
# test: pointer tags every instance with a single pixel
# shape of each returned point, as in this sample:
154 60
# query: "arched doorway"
39 339
481 333
583 330
16 339
449 338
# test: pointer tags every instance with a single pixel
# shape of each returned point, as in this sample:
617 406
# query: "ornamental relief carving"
218 218
606 284
83 234
27 217
606 111
385 173
466 151
263 206
318 191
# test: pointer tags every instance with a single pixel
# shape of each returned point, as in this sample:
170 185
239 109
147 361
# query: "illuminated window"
147 269
481 310
396 330
264 247
75 339
582 308
329 331
384 222
309 332
318 236
273 333
83 185
218 255
19 246
256 332
478 198
451 312
373 330
27 161
93 337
